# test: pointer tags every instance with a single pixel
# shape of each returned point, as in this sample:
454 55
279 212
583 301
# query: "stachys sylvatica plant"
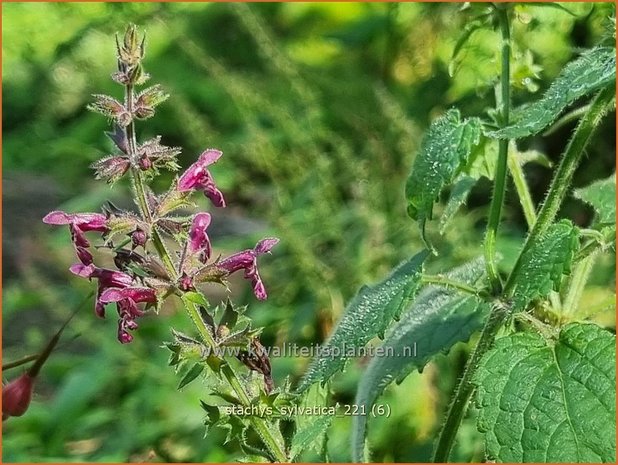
541 378
159 254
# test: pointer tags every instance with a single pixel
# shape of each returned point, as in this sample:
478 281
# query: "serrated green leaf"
193 373
445 149
311 429
550 401
438 319
593 70
367 315
602 196
545 263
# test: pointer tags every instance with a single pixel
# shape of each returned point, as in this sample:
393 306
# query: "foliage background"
318 109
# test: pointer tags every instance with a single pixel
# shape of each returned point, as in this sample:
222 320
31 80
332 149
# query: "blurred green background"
318 108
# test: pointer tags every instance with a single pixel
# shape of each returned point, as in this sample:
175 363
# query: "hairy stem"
576 283
446 282
267 432
521 186
564 174
497 200
139 187
465 388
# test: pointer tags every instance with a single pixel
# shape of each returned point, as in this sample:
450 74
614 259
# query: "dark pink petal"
198 239
78 237
85 221
137 294
84 255
215 195
209 156
265 245
85 271
238 261
258 288
57 217
197 177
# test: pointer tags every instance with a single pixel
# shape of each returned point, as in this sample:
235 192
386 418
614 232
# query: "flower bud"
16 396
111 168
139 237
144 163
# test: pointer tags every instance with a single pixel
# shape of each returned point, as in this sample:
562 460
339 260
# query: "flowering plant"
159 254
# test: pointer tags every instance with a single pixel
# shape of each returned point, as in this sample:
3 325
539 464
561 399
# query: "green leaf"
311 429
459 195
469 29
550 401
602 196
593 70
445 149
367 315
544 264
439 318
193 373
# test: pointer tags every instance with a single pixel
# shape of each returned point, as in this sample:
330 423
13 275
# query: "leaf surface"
445 149
593 70
550 401
439 318
366 316
602 196
545 263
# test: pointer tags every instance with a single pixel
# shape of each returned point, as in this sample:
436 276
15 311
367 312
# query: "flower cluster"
150 275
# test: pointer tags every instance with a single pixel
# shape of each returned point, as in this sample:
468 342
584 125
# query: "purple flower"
247 260
126 300
79 223
197 177
198 239
116 286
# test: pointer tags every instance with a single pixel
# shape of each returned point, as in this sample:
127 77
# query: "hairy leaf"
311 429
459 195
544 264
602 196
190 375
444 151
593 70
438 319
550 401
367 315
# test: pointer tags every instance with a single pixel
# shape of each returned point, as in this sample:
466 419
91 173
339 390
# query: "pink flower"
197 177
79 223
127 300
198 239
16 396
247 260
116 286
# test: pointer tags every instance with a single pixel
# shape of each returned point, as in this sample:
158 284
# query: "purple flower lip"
136 294
247 260
197 177
198 239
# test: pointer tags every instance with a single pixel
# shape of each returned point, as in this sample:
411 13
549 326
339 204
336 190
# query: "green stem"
521 186
576 283
261 426
564 174
139 189
446 282
465 388
497 200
